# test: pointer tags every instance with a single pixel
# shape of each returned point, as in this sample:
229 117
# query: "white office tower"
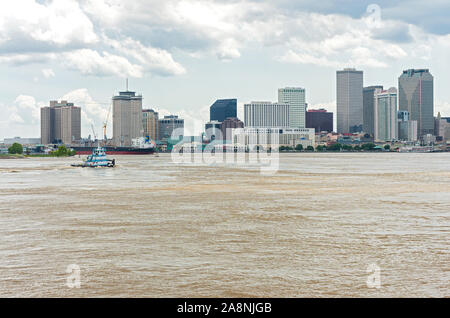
127 118
295 98
251 138
266 115
385 114
349 100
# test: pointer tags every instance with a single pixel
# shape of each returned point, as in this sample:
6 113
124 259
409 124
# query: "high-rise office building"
447 128
168 124
213 131
416 96
268 138
223 109
441 127
229 124
295 98
266 114
127 118
385 114
368 117
60 123
349 100
319 119
150 123
407 129
46 124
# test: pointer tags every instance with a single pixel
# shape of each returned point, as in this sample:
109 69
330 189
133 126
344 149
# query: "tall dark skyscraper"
223 109
415 89
368 110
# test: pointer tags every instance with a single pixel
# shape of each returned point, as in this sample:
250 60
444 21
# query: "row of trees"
336 147
62 150
299 147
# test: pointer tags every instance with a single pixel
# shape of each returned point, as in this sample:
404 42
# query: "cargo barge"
110 150
140 146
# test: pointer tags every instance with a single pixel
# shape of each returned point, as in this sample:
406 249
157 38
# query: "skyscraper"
230 123
295 98
407 129
213 131
222 109
266 115
319 119
385 114
368 115
60 123
168 124
349 100
127 118
150 123
416 96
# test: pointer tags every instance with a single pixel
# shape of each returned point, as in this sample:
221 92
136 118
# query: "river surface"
152 228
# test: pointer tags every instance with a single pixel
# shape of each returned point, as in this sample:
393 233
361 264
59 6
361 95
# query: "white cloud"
135 38
27 107
48 72
56 23
26 58
21 117
90 62
15 118
61 31
150 58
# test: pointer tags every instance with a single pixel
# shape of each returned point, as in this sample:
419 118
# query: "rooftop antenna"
127 84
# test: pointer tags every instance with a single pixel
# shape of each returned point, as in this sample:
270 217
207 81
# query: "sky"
183 55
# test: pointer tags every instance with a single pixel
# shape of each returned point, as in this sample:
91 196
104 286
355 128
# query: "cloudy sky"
183 55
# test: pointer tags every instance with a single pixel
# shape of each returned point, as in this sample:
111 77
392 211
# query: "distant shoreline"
15 156
10 156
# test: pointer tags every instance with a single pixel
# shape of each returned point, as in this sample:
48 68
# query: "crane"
105 124
93 131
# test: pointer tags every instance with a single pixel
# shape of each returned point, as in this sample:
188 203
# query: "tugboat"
97 159
98 156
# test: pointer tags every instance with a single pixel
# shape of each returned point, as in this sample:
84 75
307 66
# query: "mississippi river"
150 228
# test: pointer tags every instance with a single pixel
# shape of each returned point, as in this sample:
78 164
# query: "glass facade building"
223 109
320 120
416 96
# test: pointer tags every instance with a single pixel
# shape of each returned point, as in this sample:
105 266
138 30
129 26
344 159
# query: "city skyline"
82 64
